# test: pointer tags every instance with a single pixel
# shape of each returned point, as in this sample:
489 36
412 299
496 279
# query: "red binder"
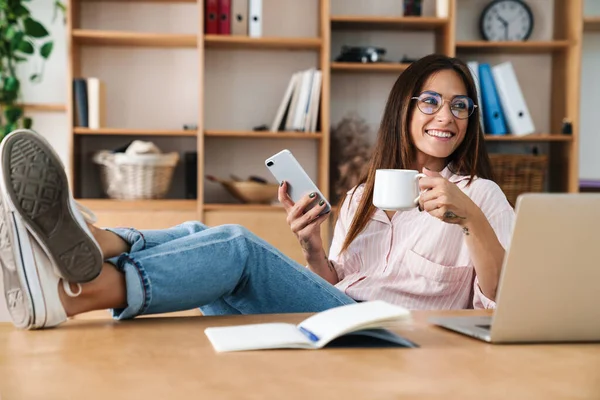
211 14
225 17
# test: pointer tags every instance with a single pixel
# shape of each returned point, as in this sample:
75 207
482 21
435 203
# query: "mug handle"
417 177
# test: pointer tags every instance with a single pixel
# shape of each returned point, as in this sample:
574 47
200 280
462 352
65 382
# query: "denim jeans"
221 270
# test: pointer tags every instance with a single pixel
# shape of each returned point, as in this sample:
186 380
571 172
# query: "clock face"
506 20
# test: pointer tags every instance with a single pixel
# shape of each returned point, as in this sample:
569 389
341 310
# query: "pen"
309 334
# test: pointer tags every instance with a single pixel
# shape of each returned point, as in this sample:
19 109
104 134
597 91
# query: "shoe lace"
68 291
88 214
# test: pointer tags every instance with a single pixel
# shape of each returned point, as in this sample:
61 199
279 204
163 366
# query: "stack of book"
233 17
299 107
88 103
502 107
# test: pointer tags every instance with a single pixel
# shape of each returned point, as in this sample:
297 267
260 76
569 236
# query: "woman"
447 253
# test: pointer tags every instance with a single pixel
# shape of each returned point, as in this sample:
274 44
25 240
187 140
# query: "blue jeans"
221 270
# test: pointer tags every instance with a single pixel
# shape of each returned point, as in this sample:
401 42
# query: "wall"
589 145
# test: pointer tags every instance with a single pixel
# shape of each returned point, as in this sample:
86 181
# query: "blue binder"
493 117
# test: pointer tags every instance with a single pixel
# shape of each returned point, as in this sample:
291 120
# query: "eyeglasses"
430 102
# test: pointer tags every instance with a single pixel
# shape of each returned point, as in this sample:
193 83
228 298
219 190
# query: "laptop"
549 289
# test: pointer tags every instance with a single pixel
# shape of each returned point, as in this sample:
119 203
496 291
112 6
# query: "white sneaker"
35 190
30 283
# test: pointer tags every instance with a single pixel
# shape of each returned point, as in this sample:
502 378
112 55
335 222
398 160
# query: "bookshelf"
281 51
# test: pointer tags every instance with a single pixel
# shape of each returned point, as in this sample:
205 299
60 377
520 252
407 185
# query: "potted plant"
21 39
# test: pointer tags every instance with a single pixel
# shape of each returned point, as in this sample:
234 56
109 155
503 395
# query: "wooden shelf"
44 107
138 39
139 205
534 137
140 1
265 134
591 24
368 67
479 46
134 132
242 207
386 23
264 43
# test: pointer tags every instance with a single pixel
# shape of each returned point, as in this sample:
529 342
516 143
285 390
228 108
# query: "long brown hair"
395 148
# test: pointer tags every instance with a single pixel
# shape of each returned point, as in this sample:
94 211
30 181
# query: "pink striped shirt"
415 260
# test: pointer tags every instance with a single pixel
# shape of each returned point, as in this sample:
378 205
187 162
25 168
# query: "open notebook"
354 325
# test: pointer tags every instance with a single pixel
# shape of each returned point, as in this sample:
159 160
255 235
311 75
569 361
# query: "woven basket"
519 173
136 177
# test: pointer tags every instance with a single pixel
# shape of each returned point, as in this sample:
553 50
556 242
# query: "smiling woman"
445 254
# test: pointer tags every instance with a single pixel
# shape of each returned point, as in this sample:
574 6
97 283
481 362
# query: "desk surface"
171 358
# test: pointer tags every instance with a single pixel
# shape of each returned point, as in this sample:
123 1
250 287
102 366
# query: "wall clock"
506 20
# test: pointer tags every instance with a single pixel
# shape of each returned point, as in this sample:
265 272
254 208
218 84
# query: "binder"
211 14
493 117
81 102
474 67
224 17
255 18
96 103
239 17
513 103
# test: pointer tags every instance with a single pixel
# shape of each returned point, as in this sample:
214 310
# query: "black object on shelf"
567 127
361 54
191 174
413 7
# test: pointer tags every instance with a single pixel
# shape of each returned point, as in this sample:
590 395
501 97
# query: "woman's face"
437 135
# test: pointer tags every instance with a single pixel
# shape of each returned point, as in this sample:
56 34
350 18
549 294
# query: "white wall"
589 145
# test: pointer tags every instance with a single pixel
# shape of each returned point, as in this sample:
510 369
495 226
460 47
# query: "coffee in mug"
396 189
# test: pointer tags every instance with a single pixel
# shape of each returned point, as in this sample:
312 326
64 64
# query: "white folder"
255 18
513 103
474 67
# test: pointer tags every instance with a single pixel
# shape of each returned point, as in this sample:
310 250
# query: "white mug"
396 189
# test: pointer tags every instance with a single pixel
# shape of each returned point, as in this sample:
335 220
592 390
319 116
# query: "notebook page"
327 325
257 336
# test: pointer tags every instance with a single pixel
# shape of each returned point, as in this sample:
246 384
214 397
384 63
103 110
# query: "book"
96 94
353 325
80 100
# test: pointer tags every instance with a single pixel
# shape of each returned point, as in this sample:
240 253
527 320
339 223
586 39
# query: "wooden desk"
171 358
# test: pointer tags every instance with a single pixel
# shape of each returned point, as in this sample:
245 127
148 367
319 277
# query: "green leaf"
46 49
19 59
34 28
9 128
13 114
16 40
34 77
26 47
27 123
11 84
10 33
21 11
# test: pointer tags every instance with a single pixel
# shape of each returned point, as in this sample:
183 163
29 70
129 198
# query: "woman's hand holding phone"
305 225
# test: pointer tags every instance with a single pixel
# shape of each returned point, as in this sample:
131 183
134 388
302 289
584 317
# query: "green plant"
21 39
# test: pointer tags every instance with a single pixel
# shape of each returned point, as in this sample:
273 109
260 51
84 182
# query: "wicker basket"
135 177
519 173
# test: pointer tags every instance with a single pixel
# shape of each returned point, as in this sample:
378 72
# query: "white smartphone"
285 167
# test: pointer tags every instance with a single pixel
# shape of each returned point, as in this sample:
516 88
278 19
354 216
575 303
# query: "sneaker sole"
37 186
